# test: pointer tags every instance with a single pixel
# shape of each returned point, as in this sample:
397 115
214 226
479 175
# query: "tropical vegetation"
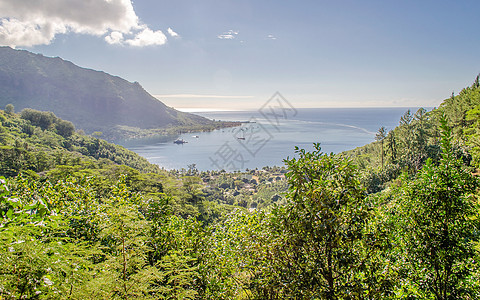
395 219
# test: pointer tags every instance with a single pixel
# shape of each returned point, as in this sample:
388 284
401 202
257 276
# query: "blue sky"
235 54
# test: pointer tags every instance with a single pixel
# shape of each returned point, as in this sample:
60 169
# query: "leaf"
10 213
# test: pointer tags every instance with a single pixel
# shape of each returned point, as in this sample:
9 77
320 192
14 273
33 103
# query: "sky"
235 54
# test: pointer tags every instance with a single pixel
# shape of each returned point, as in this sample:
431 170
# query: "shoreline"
123 134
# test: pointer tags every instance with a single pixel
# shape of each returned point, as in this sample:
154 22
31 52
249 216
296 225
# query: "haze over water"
268 142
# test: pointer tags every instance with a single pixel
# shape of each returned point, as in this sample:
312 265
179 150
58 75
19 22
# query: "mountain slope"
26 146
417 138
92 100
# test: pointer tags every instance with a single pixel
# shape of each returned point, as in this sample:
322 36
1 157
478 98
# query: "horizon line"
201 96
214 109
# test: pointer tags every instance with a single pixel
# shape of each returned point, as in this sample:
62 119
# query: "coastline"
121 134
265 144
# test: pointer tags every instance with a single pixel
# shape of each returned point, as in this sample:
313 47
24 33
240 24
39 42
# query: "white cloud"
229 35
37 22
147 37
271 37
172 33
14 32
226 37
114 38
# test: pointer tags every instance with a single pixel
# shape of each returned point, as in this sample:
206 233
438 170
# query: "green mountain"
92 100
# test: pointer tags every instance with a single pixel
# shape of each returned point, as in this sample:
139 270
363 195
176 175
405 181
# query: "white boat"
180 141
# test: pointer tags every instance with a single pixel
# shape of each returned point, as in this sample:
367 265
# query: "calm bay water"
267 140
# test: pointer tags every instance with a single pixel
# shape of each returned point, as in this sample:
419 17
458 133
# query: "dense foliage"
396 219
39 141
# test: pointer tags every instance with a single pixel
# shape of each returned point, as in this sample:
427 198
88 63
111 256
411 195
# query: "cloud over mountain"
37 22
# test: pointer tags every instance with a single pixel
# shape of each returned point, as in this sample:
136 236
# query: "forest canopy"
395 219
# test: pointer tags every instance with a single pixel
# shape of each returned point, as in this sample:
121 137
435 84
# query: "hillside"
38 141
407 147
390 219
92 100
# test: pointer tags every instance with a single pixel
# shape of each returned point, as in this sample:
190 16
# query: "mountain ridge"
93 100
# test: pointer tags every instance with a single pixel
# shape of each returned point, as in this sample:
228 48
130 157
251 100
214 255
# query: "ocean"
268 138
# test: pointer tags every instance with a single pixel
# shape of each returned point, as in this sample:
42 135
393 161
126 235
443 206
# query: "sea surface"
268 138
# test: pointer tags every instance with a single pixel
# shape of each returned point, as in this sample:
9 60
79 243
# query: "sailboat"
243 135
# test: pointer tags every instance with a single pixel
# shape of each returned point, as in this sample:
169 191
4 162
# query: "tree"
43 119
406 119
379 137
125 271
38 259
391 146
439 227
174 251
412 136
10 109
64 128
321 228
421 128
192 169
235 264
193 188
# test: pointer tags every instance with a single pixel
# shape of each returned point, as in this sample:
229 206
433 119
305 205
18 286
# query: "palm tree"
379 137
